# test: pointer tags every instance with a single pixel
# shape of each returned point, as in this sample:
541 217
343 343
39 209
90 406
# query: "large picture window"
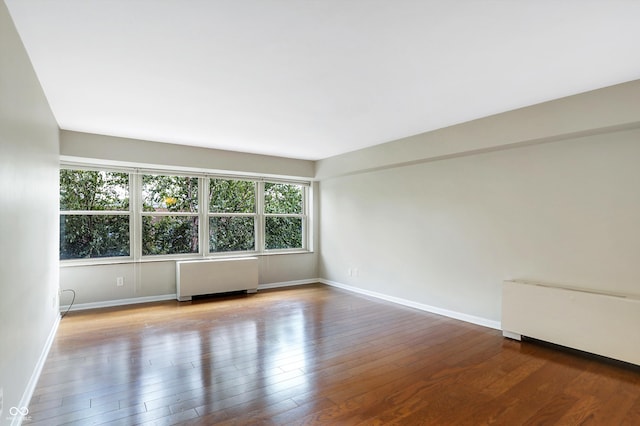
94 214
169 215
137 214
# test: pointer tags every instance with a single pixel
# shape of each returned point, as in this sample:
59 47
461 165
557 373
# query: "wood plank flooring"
315 355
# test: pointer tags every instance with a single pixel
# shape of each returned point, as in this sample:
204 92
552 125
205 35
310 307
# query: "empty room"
319 212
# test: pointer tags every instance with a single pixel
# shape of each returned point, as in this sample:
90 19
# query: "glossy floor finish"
315 355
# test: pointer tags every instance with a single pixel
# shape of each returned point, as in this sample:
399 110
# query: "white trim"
169 214
72 263
428 308
420 306
118 302
148 299
35 376
288 283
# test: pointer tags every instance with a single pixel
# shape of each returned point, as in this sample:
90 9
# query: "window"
94 214
138 214
232 215
284 215
169 215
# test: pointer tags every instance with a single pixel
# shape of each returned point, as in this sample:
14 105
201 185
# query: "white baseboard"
288 283
35 376
146 299
428 308
118 302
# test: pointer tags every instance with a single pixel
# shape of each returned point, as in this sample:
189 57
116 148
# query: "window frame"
303 215
141 214
136 215
129 213
255 215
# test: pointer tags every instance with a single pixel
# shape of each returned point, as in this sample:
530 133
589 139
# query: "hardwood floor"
315 355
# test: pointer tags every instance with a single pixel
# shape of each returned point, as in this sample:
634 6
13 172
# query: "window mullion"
305 217
231 214
203 210
95 212
170 214
136 217
259 221
298 215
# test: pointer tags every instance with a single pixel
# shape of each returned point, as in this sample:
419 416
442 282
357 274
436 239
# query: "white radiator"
592 321
197 277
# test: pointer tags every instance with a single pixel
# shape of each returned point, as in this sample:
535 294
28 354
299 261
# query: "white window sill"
173 258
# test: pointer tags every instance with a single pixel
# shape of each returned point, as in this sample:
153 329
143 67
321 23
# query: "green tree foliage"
169 235
162 193
283 232
231 233
93 190
232 196
86 235
282 198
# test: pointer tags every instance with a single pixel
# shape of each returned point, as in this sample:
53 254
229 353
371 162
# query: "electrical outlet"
119 281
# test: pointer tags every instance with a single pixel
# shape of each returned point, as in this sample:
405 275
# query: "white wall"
115 150
29 150
597 111
96 284
447 231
